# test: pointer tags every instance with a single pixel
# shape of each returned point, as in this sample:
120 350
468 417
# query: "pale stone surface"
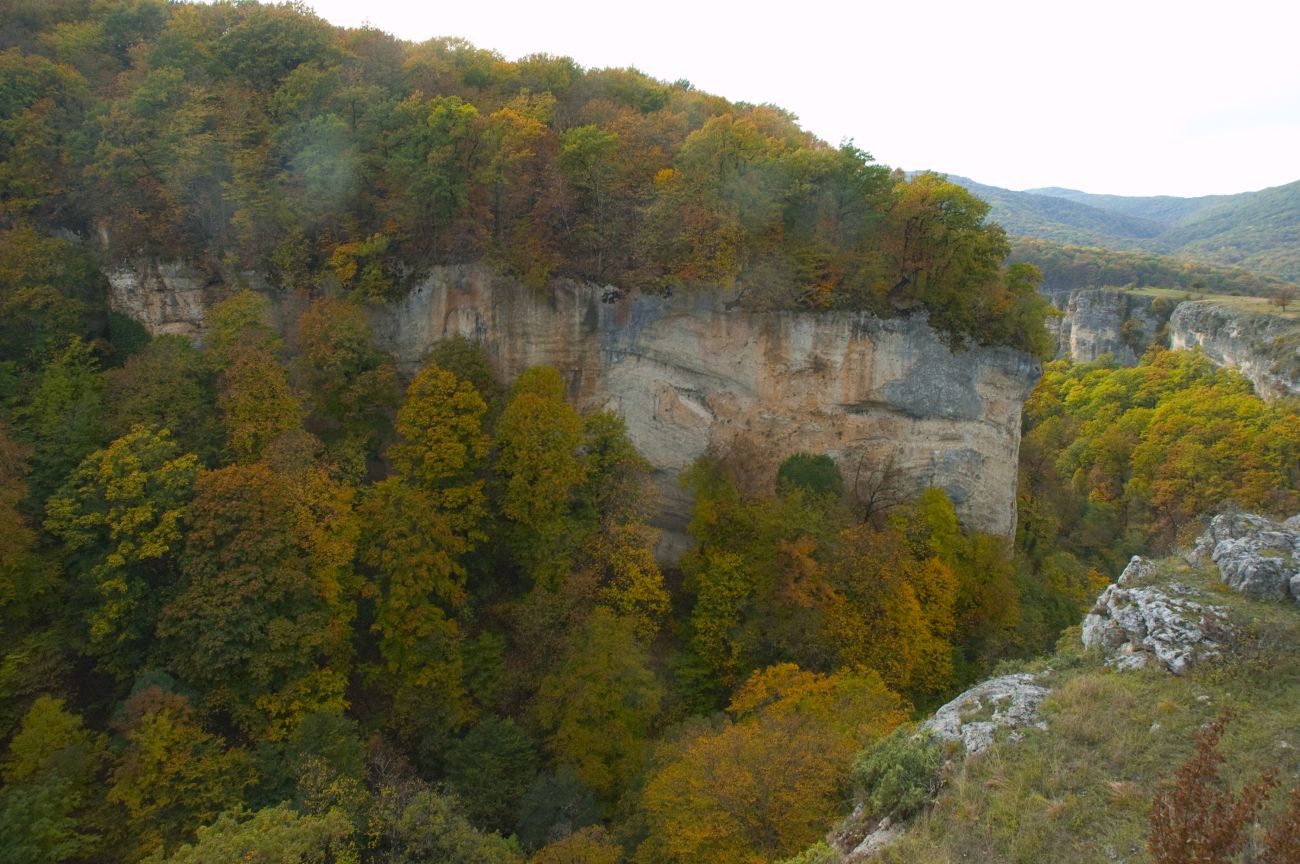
166 297
886 833
1264 348
1256 556
1008 702
691 375
1137 626
1092 325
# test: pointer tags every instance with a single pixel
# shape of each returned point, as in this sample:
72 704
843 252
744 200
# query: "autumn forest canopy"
262 139
265 598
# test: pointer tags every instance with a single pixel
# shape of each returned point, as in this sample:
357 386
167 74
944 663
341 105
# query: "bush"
817 475
899 774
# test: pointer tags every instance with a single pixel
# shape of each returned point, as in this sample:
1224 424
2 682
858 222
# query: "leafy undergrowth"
1081 791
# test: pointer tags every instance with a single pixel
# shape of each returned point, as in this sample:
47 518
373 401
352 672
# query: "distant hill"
1259 231
1165 209
1067 267
1051 217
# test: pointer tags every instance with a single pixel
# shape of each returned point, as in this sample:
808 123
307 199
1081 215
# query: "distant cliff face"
1097 321
1264 348
691 376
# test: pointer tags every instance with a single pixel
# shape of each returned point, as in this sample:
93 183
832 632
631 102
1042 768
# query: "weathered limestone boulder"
1256 556
1138 626
693 373
1008 702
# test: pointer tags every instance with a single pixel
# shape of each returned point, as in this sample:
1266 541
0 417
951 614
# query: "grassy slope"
1081 791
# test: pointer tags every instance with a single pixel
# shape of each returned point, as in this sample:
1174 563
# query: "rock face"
692 376
1008 702
1098 321
1264 348
1256 556
166 297
1138 626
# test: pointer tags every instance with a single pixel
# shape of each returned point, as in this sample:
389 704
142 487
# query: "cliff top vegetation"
250 137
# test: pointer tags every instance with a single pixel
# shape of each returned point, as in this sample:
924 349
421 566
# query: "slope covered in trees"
1069 268
367 619
1254 231
260 138
264 599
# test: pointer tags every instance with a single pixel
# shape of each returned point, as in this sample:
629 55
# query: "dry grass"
1082 790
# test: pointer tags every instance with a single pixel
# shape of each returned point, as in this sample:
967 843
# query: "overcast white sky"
1142 97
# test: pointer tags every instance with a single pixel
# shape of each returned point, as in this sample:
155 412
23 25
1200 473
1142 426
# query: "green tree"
349 382
167 385
120 517
490 769
598 704
50 804
172 776
537 441
66 417
273 835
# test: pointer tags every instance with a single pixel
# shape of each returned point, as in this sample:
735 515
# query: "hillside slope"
1076 781
1258 230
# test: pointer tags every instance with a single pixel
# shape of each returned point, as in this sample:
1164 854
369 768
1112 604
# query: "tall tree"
288 541
120 517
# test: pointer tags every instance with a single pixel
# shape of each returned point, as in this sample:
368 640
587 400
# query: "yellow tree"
537 440
766 782
417 525
119 516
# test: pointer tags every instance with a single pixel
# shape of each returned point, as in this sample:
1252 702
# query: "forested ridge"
265 599
1251 231
261 138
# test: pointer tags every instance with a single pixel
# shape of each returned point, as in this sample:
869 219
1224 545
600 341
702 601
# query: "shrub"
899 774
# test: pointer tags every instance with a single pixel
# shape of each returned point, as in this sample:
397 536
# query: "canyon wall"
1097 321
1264 348
886 398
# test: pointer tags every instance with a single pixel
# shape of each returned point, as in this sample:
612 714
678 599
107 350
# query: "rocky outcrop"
1256 556
1138 625
166 297
1264 348
1099 321
1009 702
691 375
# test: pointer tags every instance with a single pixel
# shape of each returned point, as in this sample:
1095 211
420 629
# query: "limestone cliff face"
1097 321
166 297
1264 348
691 376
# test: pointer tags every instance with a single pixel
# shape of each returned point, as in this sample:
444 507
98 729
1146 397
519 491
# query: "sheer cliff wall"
690 376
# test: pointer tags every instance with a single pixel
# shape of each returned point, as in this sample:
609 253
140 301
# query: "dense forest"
251 138
265 599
